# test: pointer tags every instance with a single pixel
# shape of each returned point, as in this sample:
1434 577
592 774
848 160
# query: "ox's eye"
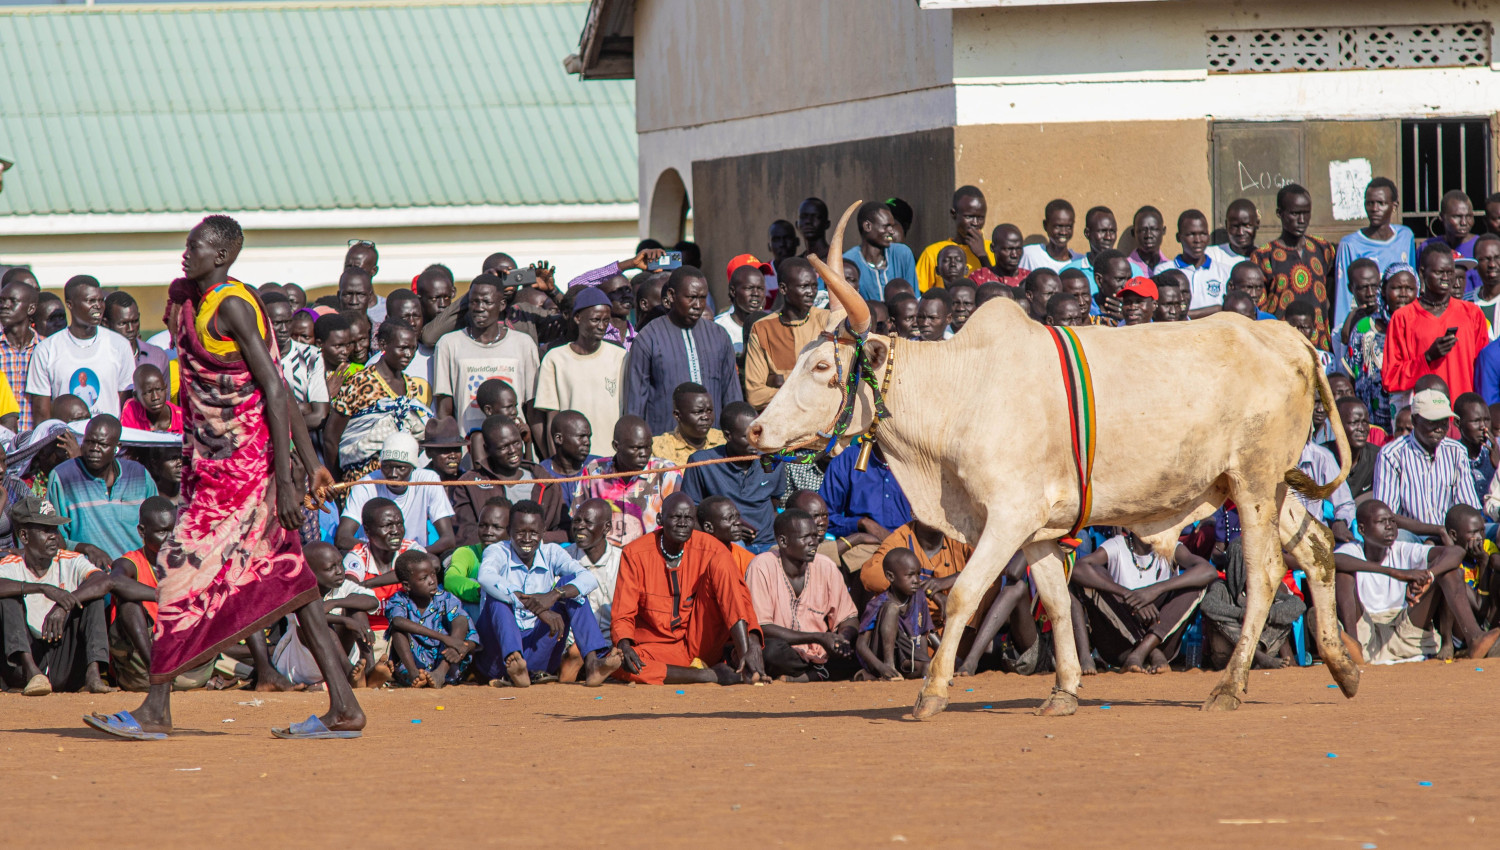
823 366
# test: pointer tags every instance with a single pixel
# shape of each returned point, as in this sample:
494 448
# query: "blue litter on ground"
1425 784
968 690
1106 707
1333 755
598 697
1478 669
679 693
989 706
1367 847
416 721
1333 686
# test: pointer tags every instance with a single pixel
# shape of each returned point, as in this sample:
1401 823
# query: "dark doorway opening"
1438 156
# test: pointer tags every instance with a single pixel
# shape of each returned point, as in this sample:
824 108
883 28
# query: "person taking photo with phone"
1435 335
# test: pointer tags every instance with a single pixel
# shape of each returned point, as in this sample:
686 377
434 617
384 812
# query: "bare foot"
94 683
1157 663
380 674
357 675
572 665
598 670
725 674
422 680
275 682
1486 644
352 720
515 670
970 667
1446 653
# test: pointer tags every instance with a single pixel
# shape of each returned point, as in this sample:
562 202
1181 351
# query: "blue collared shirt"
101 515
502 575
750 488
852 496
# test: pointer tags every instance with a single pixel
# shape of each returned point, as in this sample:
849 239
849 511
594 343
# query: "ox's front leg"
1050 575
1264 567
984 567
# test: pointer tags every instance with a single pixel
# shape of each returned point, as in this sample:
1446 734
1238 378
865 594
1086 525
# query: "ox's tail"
1299 480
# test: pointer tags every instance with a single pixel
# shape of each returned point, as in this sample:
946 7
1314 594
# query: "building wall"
143 263
760 188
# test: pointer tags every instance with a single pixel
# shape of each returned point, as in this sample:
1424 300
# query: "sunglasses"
365 242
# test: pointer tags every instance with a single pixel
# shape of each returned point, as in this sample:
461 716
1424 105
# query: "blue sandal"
311 729
122 724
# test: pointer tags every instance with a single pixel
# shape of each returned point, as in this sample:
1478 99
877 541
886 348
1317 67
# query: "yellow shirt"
213 342
670 446
927 263
8 404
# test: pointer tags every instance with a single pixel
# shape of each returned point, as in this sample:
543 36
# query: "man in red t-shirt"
1435 335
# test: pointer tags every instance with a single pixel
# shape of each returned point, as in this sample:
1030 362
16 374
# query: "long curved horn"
832 272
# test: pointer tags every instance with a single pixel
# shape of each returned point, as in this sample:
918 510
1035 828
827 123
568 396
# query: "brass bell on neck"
863 461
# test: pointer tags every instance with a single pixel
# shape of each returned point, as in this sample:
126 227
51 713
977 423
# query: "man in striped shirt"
1423 474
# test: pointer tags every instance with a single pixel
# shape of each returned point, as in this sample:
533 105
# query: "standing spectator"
357 294
773 343
636 500
747 296
749 485
1241 224
88 361
1063 311
933 312
686 346
50 316
968 212
1363 281
331 335
1473 419
1111 272
587 374
1456 212
879 257
904 308
100 495
805 612
405 308
434 288
1171 296
1207 280
1100 230
1299 266
1423 474
1149 228
123 316
1437 335
693 409
1367 346
18 303
863 507
301 364
373 403
485 349
963 296
1006 247
812 223
150 410
1039 286
1385 243
1247 277
1487 267
1057 223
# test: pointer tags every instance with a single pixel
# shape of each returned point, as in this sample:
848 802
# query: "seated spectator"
810 502
747 298
1390 592
1224 615
896 632
100 494
504 460
1363 281
747 483
1039 286
964 295
1480 565
1238 302
372 562
968 212
1171 296
90 362
904 308
1063 311
933 312
165 465
1355 419
150 410
445 454
123 316
52 609
375 401
693 408
1473 418
1026 649
687 346
941 558
1302 316
1111 272
431 637
592 549
1437 334
1074 282
1138 301
420 506
587 374
1423 474
1138 602
773 343
1321 466
461 578
1367 347
70 408
805 612
636 500
301 363
879 257
897 286
863 507
132 620
495 397
720 519
571 436
659 645
538 596
346 609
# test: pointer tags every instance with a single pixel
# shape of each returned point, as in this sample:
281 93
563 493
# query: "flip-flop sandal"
122 725
543 678
311 729
39 686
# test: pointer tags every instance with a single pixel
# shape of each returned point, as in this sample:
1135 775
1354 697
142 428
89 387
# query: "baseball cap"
34 510
747 260
590 297
1142 286
1431 404
400 447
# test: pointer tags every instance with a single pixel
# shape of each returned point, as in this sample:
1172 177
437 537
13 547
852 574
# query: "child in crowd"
372 562
463 564
432 639
150 410
1481 566
496 396
133 603
347 606
895 635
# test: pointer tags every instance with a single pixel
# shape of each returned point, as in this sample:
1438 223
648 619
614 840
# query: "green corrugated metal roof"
305 107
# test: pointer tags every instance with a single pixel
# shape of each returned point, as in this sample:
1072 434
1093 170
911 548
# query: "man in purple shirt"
683 346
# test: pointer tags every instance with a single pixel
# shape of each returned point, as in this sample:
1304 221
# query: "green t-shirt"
462 568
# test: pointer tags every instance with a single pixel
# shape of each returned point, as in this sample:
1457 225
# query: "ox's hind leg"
984 567
1309 544
1049 573
1263 570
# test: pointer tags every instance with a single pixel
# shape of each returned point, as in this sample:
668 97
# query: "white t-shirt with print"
592 384
461 364
1132 571
96 370
418 505
1035 257
67 571
1379 593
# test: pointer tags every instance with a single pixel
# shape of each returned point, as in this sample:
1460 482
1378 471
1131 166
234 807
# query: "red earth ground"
836 765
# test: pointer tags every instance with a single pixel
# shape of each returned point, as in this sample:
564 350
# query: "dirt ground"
782 766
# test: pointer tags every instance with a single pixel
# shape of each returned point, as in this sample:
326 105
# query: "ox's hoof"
928 706
1060 704
1222 700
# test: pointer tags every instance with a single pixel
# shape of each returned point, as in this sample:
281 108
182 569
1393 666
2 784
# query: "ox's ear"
876 351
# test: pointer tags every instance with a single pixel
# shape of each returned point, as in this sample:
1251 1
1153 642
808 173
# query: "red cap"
1142 286
748 260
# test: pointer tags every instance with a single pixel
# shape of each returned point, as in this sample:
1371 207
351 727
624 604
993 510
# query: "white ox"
1188 415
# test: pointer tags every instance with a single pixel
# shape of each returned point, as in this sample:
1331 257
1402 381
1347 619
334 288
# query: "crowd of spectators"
673 560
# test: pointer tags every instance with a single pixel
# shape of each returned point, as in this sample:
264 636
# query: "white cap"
1431 404
400 447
